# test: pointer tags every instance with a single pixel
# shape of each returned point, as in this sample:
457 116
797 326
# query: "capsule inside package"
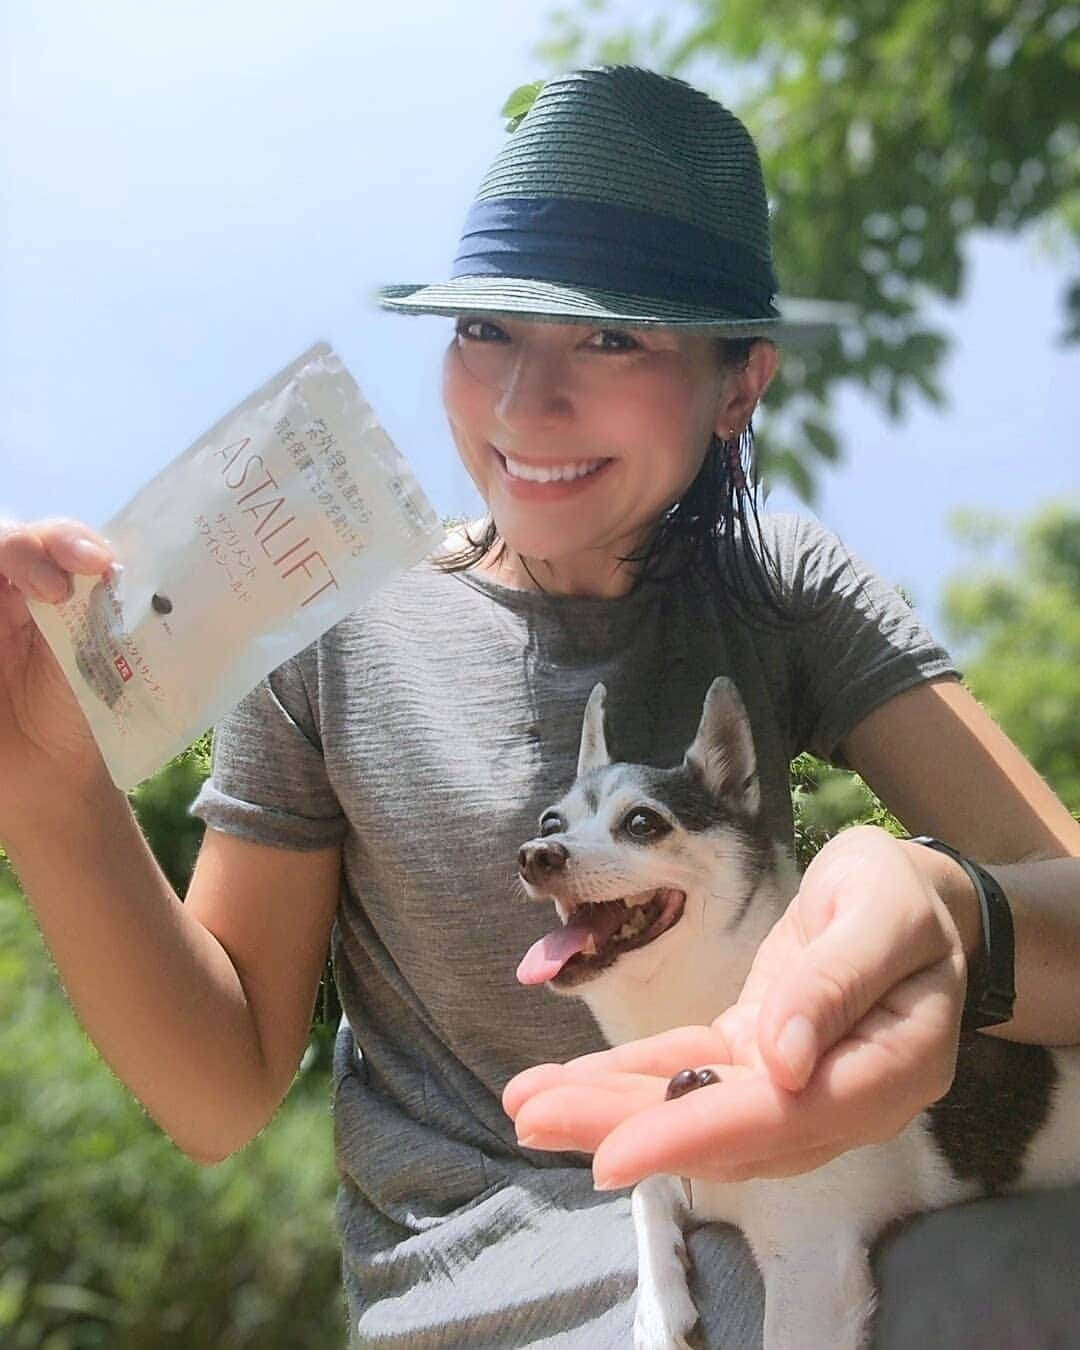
266 532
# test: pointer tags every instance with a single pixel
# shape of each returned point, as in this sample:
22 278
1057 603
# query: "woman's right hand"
44 737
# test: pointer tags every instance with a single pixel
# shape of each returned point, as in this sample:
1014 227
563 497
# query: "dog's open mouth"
595 935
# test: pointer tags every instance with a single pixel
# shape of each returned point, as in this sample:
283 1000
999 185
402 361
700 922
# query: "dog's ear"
594 752
722 752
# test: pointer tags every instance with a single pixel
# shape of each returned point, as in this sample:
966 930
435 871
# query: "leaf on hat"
519 103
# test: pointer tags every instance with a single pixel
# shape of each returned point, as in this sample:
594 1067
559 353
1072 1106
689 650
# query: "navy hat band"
614 247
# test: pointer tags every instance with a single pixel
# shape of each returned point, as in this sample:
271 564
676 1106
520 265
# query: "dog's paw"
665 1323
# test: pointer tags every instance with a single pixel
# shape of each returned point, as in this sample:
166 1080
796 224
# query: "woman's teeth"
551 473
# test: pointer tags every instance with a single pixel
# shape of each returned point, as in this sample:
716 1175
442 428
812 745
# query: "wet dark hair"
704 538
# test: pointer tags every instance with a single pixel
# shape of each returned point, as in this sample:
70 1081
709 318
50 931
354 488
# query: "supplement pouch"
252 543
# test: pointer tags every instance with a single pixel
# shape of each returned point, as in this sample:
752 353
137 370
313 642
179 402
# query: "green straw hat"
623 197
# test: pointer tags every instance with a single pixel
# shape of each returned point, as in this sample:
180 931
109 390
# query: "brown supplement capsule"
687 1080
161 604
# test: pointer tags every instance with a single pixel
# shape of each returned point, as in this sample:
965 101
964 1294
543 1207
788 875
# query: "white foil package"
266 532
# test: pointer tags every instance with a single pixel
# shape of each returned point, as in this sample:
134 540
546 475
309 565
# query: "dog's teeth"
563 911
589 948
635 924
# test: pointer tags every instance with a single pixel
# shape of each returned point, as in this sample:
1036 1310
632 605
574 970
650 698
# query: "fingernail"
88 552
606 1184
550 1142
797 1046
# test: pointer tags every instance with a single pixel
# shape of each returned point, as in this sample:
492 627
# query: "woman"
613 298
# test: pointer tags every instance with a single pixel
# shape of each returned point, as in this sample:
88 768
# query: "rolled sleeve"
268 782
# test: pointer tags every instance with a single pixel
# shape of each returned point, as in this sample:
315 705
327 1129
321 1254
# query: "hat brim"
802 321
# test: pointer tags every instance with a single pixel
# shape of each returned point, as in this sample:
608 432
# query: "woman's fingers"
636 1111
862 953
694 1135
528 1083
577 1073
662 1055
38 559
579 1116
770 1169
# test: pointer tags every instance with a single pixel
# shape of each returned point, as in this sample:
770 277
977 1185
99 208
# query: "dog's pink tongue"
544 959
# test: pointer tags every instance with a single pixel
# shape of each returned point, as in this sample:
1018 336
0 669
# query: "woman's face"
578 437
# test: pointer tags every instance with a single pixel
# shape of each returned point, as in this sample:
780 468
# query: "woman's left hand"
846 1028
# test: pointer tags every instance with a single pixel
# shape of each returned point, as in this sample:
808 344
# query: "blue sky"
190 195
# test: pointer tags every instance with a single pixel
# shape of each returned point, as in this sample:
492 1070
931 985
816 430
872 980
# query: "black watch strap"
991 991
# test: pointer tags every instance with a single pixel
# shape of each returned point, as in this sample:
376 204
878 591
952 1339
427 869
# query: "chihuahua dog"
665 882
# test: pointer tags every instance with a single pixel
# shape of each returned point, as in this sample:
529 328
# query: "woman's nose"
534 387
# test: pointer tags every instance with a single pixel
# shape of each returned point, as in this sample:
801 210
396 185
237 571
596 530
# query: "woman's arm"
943 767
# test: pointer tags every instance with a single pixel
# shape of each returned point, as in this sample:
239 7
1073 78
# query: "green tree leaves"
519 103
1014 621
110 1239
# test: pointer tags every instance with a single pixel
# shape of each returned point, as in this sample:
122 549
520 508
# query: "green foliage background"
1014 620
111 1238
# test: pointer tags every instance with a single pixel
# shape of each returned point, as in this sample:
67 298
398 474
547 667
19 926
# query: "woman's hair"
696 538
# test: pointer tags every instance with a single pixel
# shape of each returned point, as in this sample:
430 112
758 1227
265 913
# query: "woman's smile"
549 480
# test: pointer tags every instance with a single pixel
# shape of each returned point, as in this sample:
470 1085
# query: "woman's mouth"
550 480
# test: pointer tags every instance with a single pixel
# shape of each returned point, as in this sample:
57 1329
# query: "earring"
734 440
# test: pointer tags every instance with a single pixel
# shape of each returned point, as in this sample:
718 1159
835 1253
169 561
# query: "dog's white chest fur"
1009 1123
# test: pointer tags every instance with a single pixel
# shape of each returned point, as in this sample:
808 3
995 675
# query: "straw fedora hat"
623 197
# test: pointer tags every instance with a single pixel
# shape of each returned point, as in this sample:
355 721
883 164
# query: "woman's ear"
745 388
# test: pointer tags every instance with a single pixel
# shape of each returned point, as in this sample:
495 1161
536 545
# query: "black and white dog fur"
696 885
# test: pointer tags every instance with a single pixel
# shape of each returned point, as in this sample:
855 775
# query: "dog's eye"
551 824
641 823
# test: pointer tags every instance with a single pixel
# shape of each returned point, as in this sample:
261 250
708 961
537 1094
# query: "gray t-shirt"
425 733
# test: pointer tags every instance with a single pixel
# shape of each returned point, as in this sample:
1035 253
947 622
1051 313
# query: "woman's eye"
644 824
614 340
551 825
479 330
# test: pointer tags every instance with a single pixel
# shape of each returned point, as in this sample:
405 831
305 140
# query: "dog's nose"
537 861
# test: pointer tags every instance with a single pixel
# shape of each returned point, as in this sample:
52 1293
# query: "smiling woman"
616 326
609 427
664 415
